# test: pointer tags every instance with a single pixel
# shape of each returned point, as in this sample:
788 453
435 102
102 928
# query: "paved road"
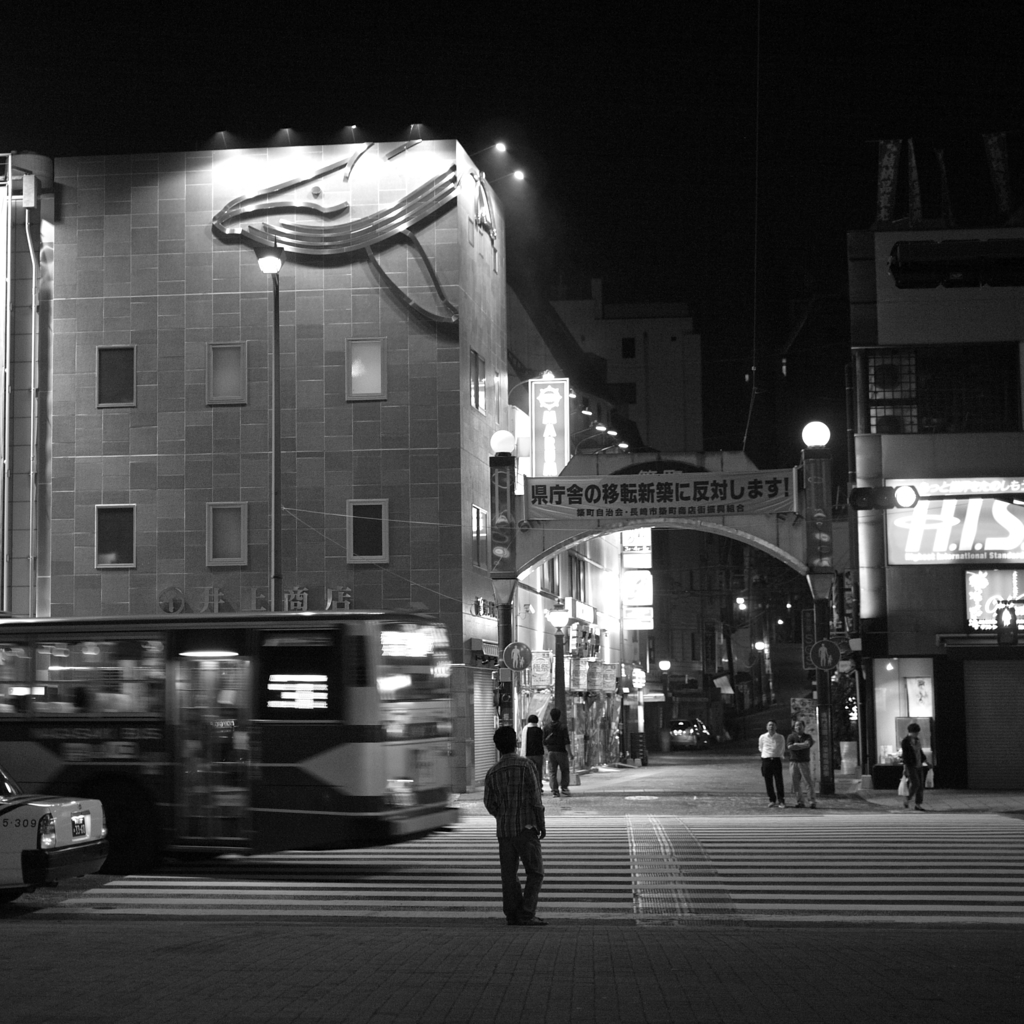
780 868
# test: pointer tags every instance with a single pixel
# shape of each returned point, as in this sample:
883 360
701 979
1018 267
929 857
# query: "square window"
477 381
366 377
227 374
368 531
629 348
115 536
227 533
480 538
115 376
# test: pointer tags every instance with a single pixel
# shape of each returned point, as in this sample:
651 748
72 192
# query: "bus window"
414 662
90 676
299 676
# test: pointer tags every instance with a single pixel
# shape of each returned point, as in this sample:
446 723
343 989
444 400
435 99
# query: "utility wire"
757 157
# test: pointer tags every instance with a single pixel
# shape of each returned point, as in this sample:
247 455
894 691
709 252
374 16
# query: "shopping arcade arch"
785 536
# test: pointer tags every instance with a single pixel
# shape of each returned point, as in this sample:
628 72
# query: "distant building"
653 360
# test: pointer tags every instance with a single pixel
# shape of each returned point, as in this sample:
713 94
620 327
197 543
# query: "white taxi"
46 838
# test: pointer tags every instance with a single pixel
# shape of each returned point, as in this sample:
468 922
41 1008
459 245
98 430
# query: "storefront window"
904 690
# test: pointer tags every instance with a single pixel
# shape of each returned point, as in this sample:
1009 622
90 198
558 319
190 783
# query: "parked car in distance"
46 838
688 734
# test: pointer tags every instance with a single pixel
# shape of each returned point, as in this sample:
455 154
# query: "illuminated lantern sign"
549 425
988 590
940 530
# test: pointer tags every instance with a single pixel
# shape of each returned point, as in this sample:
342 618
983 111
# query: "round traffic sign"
825 654
517 656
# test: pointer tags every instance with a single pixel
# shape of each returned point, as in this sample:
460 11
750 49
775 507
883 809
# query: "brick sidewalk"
174 973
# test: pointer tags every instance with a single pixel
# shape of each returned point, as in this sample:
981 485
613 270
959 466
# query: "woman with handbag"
914 767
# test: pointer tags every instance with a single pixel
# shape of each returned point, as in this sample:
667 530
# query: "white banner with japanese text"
664 494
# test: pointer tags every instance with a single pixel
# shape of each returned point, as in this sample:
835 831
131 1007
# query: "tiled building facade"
154 417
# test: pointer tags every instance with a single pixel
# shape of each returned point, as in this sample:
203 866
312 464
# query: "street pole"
276 586
560 670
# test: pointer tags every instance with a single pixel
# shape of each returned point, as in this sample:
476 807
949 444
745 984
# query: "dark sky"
651 133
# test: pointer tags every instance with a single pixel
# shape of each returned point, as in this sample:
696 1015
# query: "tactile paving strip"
664 856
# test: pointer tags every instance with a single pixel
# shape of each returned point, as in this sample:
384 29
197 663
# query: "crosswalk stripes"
449 874
870 869
640 869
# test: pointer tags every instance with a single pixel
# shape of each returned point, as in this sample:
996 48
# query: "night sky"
651 135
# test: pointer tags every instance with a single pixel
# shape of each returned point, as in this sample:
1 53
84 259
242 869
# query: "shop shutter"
994 705
485 752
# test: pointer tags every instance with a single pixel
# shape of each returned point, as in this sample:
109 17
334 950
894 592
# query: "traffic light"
1006 624
503 689
865 498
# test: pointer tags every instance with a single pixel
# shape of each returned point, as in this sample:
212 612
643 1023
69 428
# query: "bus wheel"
131 830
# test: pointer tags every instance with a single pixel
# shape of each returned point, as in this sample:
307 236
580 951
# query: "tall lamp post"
817 466
270 260
559 618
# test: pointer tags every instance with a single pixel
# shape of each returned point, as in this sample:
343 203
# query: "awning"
488 648
722 682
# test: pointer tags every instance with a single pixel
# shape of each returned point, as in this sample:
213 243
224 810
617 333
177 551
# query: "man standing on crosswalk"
799 744
772 746
512 794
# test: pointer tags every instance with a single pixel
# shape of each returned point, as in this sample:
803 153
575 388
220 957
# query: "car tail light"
47 832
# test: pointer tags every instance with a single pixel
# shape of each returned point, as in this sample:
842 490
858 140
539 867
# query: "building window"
944 389
477 381
115 536
629 348
227 374
480 538
550 579
115 376
577 578
627 393
368 531
227 533
366 377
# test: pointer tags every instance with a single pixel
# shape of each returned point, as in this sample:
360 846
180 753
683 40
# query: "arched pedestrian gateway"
784 513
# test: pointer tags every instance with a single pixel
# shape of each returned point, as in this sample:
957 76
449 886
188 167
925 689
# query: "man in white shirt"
771 746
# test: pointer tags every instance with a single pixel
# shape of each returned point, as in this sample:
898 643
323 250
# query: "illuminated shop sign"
664 494
939 531
549 425
637 589
636 548
987 590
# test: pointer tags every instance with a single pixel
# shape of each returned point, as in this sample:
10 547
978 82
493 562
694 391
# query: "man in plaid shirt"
512 794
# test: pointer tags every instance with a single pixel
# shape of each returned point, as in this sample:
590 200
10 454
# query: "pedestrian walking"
533 746
556 740
915 767
512 794
799 744
771 746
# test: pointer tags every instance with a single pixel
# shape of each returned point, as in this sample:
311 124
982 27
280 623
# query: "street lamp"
817 497
559 618
270 260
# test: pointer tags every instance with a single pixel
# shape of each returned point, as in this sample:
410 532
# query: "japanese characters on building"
664 494
213 600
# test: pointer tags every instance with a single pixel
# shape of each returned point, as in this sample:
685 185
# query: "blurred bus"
244 733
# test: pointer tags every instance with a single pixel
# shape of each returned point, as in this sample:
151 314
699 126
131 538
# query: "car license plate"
80 826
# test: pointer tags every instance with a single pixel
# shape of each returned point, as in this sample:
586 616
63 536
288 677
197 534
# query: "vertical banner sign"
818 509
888 170
549 425
503 521
807 635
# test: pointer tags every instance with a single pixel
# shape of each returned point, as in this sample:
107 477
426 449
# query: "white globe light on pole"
816 434
503 441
